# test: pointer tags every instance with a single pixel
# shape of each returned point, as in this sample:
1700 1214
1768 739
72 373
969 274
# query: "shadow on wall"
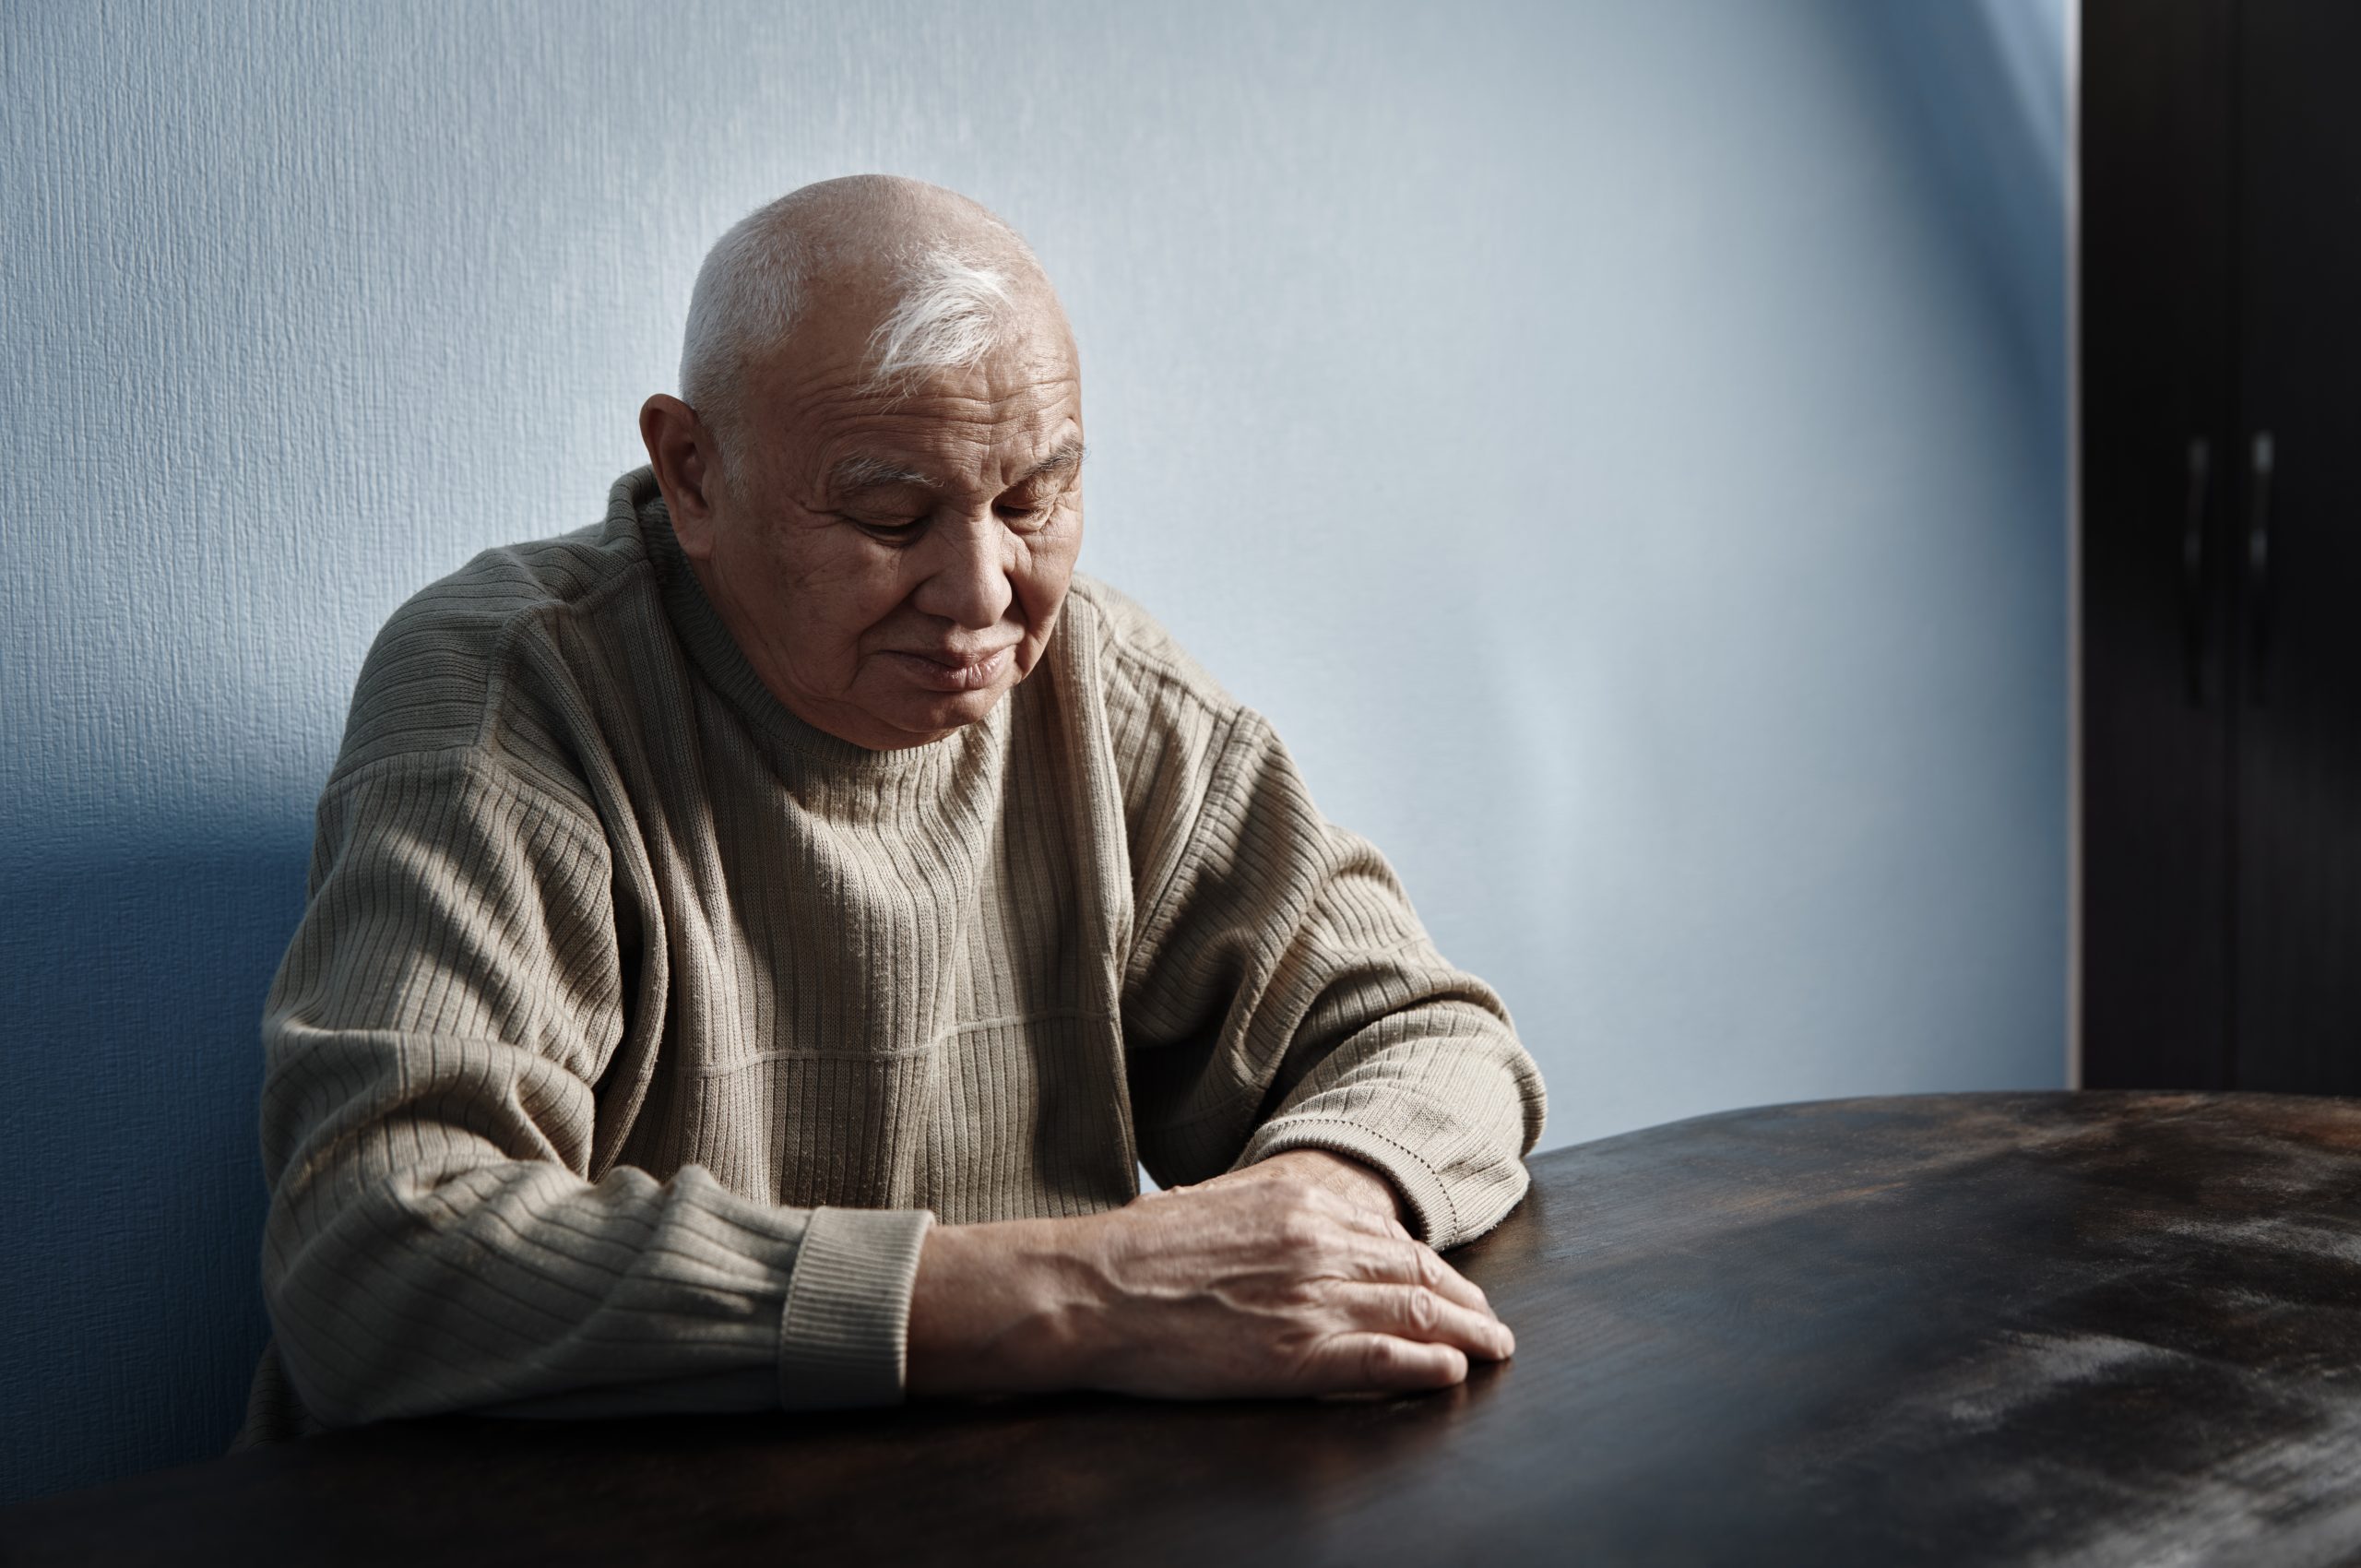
132 974
1981 88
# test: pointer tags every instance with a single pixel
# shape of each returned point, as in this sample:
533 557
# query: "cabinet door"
2156 409
2298 734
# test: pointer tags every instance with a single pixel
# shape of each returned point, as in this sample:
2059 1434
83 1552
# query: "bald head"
934 279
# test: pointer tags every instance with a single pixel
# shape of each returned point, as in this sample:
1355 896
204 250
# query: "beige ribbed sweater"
636 1030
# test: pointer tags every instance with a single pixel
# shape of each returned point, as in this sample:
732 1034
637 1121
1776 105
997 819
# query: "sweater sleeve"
435 1242
1282 994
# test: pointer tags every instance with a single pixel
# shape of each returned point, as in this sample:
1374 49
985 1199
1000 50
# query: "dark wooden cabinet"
2221 565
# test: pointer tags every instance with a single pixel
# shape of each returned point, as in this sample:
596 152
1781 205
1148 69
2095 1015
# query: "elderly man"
754 942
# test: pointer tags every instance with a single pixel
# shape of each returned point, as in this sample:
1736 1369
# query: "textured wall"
1621 445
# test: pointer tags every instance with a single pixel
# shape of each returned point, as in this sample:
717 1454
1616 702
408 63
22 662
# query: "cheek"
831 597
1043 572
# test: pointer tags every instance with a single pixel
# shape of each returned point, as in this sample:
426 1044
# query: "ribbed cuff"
1433 1218
845 1331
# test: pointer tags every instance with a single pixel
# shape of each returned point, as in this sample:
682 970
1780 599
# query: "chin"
938 716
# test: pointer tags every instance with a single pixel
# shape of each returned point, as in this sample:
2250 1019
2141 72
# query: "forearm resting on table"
1293 1276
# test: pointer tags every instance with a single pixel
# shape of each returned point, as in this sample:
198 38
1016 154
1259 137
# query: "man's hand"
1348 1179
1236 1287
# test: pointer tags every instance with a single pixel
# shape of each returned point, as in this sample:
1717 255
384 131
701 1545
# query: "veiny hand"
1345 1178
1278 1286
1229 1288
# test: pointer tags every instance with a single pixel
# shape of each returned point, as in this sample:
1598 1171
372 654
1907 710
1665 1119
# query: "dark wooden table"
2093 1328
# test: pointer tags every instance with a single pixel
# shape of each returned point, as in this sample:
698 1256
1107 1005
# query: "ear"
688 469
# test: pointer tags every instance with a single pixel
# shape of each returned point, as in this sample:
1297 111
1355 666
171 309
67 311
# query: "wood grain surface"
2093 1328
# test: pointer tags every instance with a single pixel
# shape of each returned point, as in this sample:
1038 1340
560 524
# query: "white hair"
744 300
950 314
953 307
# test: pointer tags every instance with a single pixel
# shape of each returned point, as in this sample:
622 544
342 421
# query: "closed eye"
890 530
1021 510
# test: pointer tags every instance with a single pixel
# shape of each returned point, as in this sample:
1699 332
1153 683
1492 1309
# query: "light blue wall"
1621 445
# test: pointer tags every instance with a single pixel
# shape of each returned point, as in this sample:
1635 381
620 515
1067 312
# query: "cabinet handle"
2192 570
2263 459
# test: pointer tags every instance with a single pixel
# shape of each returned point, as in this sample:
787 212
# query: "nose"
970 563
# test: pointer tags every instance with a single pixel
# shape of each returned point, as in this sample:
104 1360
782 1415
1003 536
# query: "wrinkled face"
892 566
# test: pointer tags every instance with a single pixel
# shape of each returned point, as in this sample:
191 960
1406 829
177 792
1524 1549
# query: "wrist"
1346 1177
999 1308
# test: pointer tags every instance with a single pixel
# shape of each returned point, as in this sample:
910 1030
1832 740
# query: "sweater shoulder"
463 664
1144 670
1170 726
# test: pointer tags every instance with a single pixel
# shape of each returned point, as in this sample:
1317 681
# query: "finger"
1381 1363
1439 1276
1413 1312
1403 1261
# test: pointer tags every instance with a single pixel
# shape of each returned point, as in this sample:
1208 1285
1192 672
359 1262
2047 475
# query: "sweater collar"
637 502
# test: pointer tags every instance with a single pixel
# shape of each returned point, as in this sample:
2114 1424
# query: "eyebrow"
1067 457
861 471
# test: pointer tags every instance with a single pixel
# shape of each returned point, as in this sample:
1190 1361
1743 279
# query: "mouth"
954 671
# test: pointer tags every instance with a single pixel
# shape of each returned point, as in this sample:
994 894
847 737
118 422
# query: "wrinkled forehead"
818 405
